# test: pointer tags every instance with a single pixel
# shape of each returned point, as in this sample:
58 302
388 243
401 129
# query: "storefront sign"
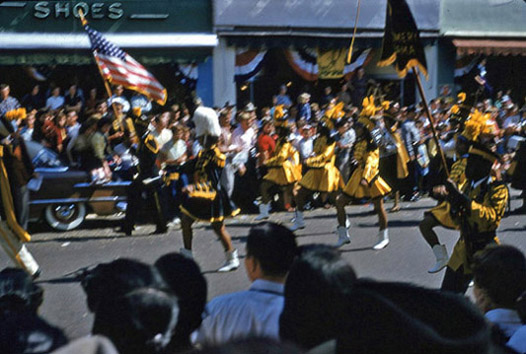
66 9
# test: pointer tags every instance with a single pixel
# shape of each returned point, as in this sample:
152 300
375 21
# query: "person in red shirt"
266 142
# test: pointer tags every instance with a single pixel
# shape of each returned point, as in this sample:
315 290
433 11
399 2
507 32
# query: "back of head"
385 317
500 271
141 322
27 333
316 295
110 280
274 246
88 345
184 278
18 292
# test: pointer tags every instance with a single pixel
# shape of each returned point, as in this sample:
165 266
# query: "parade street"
407 257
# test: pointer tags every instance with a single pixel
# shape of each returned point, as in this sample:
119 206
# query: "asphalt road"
407 257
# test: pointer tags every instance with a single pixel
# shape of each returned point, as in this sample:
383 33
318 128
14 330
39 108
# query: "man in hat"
478 205
147 180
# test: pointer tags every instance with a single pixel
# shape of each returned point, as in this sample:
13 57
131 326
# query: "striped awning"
490 47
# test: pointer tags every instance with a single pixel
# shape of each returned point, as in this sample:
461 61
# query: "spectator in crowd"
304 109
271 248
306 144
316 296
358 86
90 106
499 275
142 321
72 124
265 141
411 138
282 98
21 329
7 102
343 95
80 149
185 280
34 100
160 129
60 133
101 149
327 97
55 101
26 131
518 175
118 96
74 100
101 110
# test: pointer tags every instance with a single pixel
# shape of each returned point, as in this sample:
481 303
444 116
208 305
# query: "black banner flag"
401 44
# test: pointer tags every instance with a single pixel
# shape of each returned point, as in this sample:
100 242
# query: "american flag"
121 69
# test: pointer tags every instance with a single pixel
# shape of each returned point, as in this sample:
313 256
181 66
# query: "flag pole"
106 84
430 118
349 55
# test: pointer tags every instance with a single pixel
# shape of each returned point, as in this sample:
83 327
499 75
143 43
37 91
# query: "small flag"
121 69
401 44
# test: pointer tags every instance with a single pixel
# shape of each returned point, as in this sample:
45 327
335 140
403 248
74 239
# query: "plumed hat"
281 116
206 122
332 114
481 131
368 110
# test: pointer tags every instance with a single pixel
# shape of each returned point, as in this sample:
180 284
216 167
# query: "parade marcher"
393 154
122 128
284 168
478 205
15 171
146 179
205 198
440 215
365 181
322 175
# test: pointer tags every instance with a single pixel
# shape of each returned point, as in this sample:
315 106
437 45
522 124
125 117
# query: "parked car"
65 195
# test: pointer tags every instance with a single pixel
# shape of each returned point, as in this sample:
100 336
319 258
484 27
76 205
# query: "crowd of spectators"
304 299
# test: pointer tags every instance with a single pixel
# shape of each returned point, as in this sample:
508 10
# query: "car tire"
64 217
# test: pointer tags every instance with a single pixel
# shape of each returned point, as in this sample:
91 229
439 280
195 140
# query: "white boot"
347 223
232 262
263 212
383 240
442 258
186 252
299 223
343 236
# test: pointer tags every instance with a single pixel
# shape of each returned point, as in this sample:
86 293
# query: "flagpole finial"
82 18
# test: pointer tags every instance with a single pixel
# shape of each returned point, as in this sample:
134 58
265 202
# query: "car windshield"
43 157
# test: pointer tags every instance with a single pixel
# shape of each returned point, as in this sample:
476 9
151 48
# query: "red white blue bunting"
249 63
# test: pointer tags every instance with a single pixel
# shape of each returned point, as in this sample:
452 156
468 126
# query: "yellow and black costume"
15 168
206 199
477 207
322 174
367 155
147 180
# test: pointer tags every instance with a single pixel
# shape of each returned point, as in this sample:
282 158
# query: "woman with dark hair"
185 280
317 293
284 168
205 199
365 181
142 321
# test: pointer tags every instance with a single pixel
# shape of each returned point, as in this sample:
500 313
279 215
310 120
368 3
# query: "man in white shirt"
242 140
55 101
160 129
271 249
499 275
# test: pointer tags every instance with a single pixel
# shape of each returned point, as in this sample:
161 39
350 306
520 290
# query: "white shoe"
186 252
299 223
383 240
263 212
176 222
442 258
232 262
343 237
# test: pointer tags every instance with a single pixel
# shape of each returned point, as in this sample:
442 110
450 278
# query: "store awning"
489 47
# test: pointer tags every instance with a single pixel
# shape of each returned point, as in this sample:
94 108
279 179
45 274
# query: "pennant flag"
331 63
121 69
401 44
